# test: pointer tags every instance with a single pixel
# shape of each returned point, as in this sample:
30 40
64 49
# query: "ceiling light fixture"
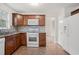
61 21
34 4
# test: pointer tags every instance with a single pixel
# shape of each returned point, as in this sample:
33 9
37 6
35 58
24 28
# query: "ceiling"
48 8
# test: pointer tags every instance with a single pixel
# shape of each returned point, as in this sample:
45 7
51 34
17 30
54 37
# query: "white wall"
50 28
60 26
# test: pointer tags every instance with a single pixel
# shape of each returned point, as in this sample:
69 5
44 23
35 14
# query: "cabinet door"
23 39
31 16
25 19
18 19
10 45
18 43
42 39
42 20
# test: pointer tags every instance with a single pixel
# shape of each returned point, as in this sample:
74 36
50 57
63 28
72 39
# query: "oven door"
32 40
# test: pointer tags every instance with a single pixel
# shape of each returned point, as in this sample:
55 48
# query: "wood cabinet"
23 39
18 19
13 42
18 41
10 44
31 16
22 20
42 39
40 17
25 20
42 20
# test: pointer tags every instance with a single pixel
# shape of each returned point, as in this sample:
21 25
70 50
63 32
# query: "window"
3 19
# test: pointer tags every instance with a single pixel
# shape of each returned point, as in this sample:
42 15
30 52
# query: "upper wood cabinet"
42 20
40 17
18 19
31 16
25 19
22 20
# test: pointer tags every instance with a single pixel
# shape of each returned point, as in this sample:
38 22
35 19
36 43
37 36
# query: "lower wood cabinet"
13 42
23 39
42 39
10 44
18 41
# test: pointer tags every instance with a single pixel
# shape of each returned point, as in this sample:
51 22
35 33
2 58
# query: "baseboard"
64 49
67 52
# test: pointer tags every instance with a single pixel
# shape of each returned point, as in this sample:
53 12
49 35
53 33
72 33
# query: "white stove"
32 40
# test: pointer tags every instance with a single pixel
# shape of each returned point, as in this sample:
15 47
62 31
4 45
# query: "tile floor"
51 49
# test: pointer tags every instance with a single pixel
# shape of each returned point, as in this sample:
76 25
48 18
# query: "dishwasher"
2 46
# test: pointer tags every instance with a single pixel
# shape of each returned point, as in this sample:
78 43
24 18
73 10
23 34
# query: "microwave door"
33 21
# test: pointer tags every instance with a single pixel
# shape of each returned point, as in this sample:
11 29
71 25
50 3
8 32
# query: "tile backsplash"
41 29
11 30
26 28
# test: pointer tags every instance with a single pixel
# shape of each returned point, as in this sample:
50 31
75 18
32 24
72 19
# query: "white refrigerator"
71 34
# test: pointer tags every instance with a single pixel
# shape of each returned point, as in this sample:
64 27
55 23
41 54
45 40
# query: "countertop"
2 36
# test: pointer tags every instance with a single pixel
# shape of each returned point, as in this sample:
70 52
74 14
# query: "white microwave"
33 21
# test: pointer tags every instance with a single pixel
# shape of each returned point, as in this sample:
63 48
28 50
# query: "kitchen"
31 38
37 30
22 29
